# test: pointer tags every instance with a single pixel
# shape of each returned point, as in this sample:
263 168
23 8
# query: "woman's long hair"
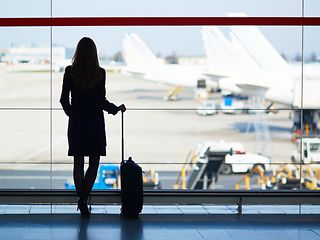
85 65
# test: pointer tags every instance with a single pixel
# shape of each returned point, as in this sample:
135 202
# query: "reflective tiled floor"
164 209
160 222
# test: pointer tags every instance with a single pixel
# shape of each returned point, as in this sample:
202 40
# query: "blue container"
228 101
107 178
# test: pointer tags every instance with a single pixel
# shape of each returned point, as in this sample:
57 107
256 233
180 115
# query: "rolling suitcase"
131 184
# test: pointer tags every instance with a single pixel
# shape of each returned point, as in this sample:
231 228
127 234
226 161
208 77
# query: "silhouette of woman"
85 80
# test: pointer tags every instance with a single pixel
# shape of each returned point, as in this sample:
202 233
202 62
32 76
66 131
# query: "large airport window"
209 107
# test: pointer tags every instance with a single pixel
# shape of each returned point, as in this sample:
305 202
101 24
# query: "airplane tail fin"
214 44
224 53
245 60
137 55
257 45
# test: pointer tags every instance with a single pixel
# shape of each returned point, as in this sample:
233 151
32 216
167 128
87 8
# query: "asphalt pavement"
35 179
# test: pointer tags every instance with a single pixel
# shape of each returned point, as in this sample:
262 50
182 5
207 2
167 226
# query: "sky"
165 40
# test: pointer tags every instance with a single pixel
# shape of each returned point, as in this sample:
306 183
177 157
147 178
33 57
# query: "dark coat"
86 128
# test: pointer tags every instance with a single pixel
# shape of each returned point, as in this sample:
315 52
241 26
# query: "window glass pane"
311 69
308 151
177 8
63 164
32 8
25 67
25 149
311 8
26 176
309 143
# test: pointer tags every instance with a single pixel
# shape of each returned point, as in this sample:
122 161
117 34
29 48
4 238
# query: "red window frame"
159 21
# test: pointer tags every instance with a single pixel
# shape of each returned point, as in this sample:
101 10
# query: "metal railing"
165 197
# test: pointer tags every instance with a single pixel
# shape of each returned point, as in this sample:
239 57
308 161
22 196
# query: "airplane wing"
244 85
134 72
272 94
299 95
214 75
252 89
308 93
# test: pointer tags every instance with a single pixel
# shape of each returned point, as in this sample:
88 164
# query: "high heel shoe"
82 205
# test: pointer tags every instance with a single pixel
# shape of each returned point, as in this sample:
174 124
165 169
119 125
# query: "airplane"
35 59
268 77
142 63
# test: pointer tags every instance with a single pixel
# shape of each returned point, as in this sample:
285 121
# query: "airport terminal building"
222 116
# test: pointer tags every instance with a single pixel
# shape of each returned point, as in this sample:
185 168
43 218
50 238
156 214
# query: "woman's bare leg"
90 175
78 174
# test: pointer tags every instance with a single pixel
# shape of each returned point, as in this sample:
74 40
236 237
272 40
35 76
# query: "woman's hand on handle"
122 108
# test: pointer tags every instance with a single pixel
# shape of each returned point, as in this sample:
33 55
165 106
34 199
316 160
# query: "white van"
244 162
207 108
310 150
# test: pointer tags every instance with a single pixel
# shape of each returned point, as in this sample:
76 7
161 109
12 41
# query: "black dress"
86 128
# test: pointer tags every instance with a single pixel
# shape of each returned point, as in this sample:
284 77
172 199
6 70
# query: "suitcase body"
131 189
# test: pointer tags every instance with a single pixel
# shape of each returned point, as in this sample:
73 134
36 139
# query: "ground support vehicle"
109 178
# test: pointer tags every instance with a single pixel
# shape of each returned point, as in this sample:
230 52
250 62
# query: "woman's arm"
64 99
106 105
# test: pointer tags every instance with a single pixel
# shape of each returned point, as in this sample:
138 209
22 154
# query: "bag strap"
122 138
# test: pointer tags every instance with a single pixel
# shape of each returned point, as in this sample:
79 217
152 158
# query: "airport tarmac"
158 133
34 179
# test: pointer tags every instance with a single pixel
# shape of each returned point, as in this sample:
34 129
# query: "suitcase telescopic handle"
122 138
